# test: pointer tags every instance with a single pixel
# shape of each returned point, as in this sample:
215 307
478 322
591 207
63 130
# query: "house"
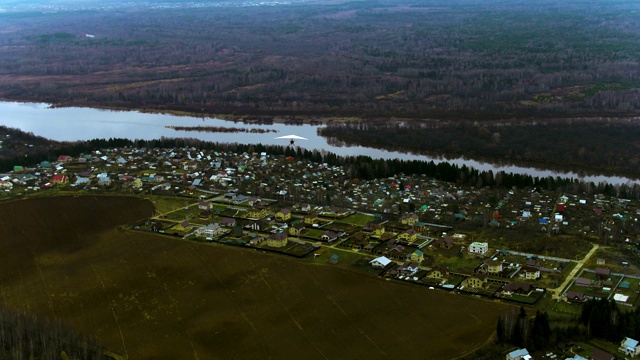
329 236
137 184
438 272
380 262
529 273
205 214
409 219
476 281
256 240
277 240
576 357
516 288
479 248
156 226
520 354
409 235
64 158
444 243
533 263
253 200
311 219
256 213
283 215
204 205
80 180
629 347
420 226
358 240
210 230
602 273
228 222
493 266
260 225
417 255
103 179
582 282
305 207
60 179
297 229
6 185
409 268
378 229
183 226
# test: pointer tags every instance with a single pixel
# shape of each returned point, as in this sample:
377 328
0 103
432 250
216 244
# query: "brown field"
152 297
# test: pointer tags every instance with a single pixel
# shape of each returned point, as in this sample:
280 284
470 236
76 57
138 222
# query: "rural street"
557 291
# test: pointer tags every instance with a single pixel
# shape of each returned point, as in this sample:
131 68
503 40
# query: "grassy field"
358 219
153 297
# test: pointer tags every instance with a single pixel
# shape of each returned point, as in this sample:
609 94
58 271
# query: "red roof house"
60 179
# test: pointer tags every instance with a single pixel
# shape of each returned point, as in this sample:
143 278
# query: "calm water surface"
70 124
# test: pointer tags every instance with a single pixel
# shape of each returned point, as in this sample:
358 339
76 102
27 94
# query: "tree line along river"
72 124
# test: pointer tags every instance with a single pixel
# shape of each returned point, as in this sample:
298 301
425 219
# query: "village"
510 244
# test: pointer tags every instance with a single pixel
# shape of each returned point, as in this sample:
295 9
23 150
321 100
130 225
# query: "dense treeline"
362 167
604 319
15 143
376 58
516 328
587 143
24 336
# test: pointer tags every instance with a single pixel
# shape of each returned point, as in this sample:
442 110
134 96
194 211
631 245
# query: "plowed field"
153 297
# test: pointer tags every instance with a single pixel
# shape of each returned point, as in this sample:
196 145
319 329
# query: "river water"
71 124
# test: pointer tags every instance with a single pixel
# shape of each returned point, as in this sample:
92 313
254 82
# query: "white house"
6 185
520 354
629 347
210 230
380 262
103 179
479 248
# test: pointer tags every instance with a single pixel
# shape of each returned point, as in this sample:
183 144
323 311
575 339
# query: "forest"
586 144
457 59
24 336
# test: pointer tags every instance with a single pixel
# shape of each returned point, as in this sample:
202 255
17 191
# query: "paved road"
558 291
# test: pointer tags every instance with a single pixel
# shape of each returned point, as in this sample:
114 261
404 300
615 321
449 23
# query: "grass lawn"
313 233
531 299
358 219
464 264
165 204
563 308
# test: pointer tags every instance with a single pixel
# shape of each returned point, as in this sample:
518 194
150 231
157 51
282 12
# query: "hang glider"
292 137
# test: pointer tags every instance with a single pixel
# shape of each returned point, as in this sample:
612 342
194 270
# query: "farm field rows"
147 296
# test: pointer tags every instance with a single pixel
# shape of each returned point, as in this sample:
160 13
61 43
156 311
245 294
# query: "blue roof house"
520 354
629 347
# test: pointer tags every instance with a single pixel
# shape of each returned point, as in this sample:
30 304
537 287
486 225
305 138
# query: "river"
71 124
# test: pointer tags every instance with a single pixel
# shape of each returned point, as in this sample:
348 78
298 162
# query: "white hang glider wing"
292 137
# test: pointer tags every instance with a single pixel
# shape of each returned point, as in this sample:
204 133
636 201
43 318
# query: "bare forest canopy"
24 336
586 144
422 59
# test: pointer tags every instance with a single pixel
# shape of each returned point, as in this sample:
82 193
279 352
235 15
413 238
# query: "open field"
148 296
